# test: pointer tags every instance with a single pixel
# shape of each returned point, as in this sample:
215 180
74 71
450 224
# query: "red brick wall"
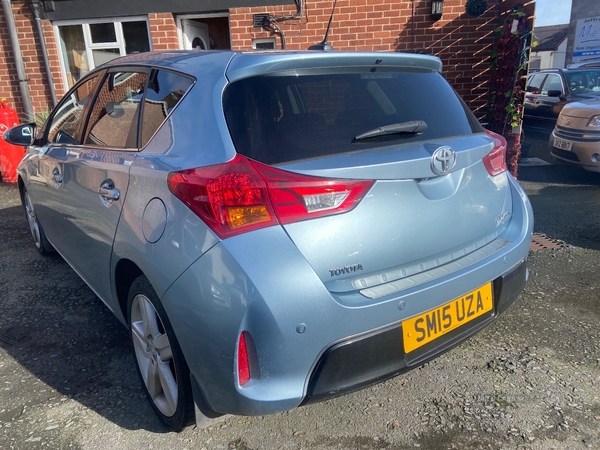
32 60
163 31
462 42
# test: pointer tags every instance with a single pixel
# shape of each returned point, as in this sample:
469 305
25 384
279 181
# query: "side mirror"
553 93
22 135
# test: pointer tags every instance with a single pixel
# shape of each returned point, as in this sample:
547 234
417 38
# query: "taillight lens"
230 198
243 362
243 195
495 161
298 197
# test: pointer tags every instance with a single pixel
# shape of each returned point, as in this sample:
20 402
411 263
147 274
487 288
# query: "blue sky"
552 12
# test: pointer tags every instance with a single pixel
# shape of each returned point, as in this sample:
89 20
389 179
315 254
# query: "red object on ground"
10 155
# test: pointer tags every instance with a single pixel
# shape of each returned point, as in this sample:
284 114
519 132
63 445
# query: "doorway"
205 32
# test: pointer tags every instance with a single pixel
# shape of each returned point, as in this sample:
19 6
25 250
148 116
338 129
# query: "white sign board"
587 39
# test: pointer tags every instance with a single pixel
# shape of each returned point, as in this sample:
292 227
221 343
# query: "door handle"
109 192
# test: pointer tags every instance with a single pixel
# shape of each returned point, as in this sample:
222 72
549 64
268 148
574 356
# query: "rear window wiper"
412 127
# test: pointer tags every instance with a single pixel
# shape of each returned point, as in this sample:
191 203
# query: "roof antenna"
324 46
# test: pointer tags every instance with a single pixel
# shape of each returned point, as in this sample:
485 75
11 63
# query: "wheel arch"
21 186
126 271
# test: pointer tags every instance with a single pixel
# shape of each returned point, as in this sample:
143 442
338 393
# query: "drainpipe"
35 8
412 26
14 40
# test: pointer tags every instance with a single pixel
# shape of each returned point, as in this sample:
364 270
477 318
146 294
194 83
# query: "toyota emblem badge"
443 160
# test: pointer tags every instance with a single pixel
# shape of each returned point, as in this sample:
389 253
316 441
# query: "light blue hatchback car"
277 228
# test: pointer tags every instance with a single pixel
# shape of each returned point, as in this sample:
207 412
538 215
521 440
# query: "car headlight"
594 122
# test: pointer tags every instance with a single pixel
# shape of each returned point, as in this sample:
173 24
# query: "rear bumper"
373 357
310 345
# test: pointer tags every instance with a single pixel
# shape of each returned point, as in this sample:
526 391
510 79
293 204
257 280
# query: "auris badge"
443 160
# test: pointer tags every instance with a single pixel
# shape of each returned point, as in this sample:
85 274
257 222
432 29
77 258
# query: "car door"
550 105
96 177
533 94
56 138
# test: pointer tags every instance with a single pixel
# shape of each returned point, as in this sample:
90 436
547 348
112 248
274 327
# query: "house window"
85 45
264 44
535 64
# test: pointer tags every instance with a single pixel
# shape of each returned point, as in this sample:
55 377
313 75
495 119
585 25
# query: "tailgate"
405 226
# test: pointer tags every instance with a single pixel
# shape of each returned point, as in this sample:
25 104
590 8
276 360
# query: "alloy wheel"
154 355
34 226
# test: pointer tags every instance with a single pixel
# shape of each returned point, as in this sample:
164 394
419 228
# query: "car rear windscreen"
291 116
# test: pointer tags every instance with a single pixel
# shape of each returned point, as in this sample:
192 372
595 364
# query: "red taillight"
243 362
298 197
243 195
495 161
230 198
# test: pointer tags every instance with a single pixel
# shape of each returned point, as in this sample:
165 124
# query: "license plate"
426 327
563 145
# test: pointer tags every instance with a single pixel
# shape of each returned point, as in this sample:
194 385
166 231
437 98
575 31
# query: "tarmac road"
530 380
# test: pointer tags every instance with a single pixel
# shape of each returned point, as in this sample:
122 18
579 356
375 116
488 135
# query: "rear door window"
165 90
292 116
128 96
115 116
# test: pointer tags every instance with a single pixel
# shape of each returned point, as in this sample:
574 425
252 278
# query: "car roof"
182 60
566 70
239 64
592 63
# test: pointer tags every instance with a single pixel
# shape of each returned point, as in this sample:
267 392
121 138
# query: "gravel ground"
530 380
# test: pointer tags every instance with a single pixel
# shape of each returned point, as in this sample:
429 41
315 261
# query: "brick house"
81 34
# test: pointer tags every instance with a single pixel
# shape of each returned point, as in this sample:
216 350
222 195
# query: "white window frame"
87 37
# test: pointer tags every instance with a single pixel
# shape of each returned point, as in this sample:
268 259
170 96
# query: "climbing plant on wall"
508 76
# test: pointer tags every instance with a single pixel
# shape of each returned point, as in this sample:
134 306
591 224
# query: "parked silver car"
277 228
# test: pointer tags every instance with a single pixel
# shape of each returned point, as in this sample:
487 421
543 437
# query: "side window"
165 89
552 83
63 126
534 83
115 116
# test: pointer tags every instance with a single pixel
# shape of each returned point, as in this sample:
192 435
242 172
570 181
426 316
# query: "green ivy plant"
476 8
509 60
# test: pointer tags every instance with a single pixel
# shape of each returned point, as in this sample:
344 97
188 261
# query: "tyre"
37 232
161 366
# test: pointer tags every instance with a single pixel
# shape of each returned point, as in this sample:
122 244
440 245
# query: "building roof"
550 37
